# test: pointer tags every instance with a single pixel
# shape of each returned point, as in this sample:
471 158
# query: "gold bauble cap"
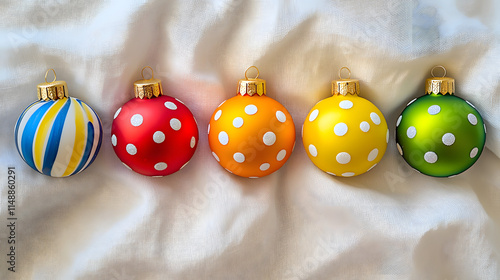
251 86
440 85
148 88
345 86
52 90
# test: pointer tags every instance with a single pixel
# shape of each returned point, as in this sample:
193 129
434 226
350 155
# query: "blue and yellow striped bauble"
58 136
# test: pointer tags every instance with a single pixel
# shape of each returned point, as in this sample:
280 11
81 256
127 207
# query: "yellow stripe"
80 135
44 129
87 111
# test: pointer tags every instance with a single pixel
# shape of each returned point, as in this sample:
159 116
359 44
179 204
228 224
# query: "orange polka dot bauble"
251 135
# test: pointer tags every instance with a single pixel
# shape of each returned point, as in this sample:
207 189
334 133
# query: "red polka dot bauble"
250 134
154 134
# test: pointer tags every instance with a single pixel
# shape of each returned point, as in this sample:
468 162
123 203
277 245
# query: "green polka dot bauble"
440 134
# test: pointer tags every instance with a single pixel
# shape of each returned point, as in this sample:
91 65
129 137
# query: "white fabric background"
298 223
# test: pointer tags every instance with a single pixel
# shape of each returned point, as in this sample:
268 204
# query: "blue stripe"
88 147
16 129
55 139
30 131
100 137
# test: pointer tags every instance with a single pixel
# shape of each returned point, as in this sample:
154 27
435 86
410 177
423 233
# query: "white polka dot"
184 165
399 120
217 115
472 105
136 120
117 112
269 138
330 173
215 156
170 105
472 119
473 152
193 142
312 150
131 149
281 116
413 100
281 155
399 149
375 118
251 109
158 137
448 139
364 126
346 104
373 155
313 115
348 174
113 140
239 157
430 157
434 109
371 167
387 136
160 166
264 166
343 158
127 166
179 101
237 122
175 124
221 103
208 130
340 129
223 138
411 132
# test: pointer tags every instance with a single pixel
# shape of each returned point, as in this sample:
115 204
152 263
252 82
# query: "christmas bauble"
251 135
154 134
440 134
345 135
57 135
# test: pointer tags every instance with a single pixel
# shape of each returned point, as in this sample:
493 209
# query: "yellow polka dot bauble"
345 135
251 135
